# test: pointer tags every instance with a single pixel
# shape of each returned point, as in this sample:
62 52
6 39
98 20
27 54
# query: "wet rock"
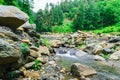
55 43
43 50
97 49
114 40
34 75
78 69
89 48
34 53
98 58
8 53
80 53
12 17
52 76
43 59
52 63
115 55
33 33
34 48
29 65
26 41
107 51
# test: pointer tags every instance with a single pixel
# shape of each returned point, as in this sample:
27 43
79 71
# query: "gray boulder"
78 69
8 53
12 17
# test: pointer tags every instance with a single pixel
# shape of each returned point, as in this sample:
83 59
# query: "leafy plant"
45 42
37 64
106 56
25 48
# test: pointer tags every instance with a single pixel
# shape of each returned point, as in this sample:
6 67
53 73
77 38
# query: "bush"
37 64
65 28
25 48
44 41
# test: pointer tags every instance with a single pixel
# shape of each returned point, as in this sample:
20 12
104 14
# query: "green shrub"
37 65
65 28
106 56
25 48
45 42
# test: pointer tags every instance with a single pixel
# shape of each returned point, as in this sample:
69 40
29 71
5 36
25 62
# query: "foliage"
24 48
45 19
37 66
64 28
106 56
45 42
85 15
109 29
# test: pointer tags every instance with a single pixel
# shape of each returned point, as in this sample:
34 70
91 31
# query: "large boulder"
12 17
8 53
78 69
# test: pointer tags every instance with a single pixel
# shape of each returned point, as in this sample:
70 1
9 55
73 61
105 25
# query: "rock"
34 48
20 28
80 53
27 26
78 69
33 33
55 43
26 41
34 75
63 70
52 63
29 65
89 48
97 49
7 34
115 55
34 53
12 17
43 59
43 50
107 51
52 76
114 40
8 53
74 79
98 58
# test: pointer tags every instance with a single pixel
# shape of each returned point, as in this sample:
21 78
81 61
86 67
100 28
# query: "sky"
40 4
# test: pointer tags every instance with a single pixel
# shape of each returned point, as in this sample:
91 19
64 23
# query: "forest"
72 15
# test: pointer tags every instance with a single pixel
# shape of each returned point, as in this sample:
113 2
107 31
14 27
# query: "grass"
66 27
45 42
109 29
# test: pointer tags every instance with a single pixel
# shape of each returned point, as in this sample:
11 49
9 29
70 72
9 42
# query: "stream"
106 70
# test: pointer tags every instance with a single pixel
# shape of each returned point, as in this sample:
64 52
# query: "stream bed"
106 70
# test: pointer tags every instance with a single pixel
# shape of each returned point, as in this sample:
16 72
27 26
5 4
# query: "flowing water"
106 70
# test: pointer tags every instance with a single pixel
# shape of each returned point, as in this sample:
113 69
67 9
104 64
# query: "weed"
37 64
25 48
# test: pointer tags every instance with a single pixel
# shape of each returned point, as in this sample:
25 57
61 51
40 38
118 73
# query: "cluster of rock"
100 44
18 51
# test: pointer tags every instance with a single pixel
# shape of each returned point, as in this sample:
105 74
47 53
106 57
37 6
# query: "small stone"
115 55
